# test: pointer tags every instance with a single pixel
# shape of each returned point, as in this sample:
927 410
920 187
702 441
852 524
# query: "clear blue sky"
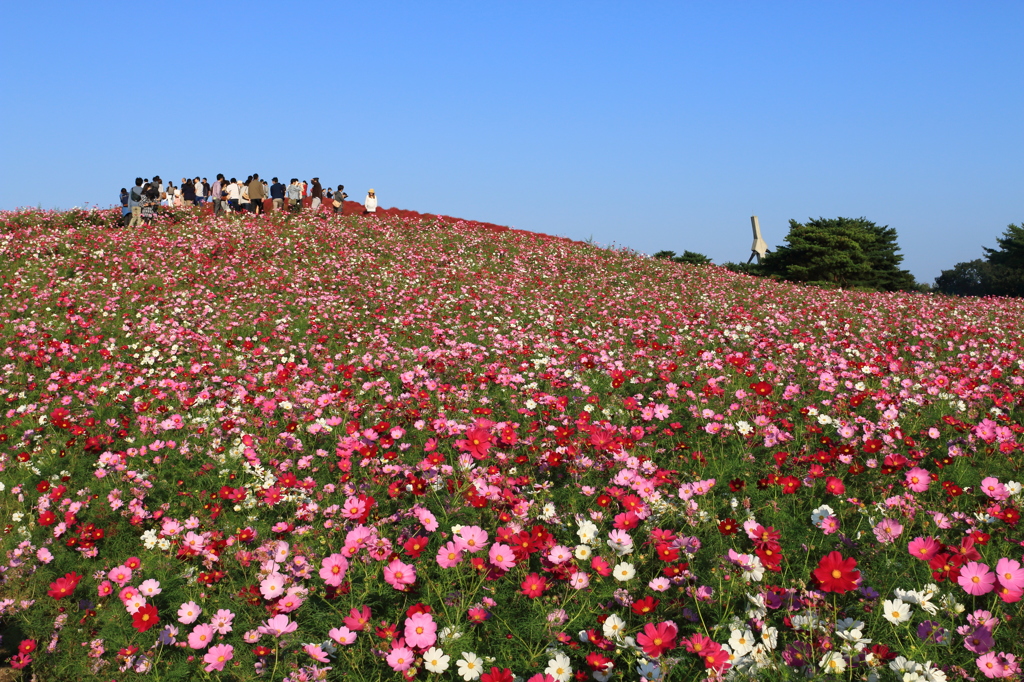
654 125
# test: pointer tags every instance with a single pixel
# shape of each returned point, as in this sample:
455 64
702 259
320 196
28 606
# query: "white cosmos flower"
613 627
623 571
742 642
833 662
559 668
435 660
471 666
896 611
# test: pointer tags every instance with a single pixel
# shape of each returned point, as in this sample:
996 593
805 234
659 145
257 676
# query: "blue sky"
649 125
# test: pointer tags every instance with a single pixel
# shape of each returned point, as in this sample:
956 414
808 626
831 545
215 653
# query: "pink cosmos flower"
924 548
188 612
342 635
277 626
150 588
105 588
358 618
200 637
272 586
221 621
333 568
559 554
887 531
501 556
120 575
290 600
918 479
976 578
994 489
399 575
316 652
471 538
449 555
420 631
579 580
401 658
990 665
1010 574
829 525
217 656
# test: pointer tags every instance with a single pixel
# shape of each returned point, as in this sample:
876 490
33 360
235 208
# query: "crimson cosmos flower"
837 574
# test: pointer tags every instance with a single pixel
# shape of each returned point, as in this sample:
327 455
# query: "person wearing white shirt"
370 205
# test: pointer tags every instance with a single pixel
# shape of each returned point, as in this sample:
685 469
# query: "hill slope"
500 438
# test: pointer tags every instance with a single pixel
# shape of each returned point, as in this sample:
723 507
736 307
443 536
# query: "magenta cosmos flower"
420 631
399 575
918 479
976 578
924 548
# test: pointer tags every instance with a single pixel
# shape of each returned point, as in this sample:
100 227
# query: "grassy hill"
439 448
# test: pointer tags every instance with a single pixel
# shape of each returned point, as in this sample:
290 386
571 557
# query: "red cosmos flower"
761 388
836 574
657 639
945 566
63 587
534 585
27 646
717 659
667 552
477 442
728 527
415 545
503 675
834 485
642 607
145 618
598 661
262 651
764 537
47 518
790 484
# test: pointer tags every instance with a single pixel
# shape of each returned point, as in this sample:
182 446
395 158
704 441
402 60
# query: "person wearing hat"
370 205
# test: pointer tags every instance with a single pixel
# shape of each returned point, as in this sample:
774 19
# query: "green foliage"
688 257
1000 274
840 252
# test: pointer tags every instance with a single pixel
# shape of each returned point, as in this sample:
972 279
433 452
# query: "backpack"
136 197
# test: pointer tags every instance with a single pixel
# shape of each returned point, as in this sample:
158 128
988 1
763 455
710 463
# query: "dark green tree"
1001 273
842 252
688 257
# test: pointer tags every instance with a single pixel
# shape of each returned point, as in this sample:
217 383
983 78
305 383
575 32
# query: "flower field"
345 448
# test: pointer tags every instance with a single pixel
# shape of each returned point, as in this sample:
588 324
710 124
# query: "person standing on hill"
294 196
370 205
339 200
318 195
256 194
215 190
188 191
234 195
135 199
277 194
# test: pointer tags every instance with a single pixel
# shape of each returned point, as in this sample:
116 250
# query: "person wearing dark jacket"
277 194
318 195
188 191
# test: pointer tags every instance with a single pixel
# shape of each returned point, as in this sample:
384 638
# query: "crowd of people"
140 203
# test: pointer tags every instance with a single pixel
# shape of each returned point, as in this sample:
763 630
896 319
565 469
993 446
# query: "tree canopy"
690 257
1001 273
842 252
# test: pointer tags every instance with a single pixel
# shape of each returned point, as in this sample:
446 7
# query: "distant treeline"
855 253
